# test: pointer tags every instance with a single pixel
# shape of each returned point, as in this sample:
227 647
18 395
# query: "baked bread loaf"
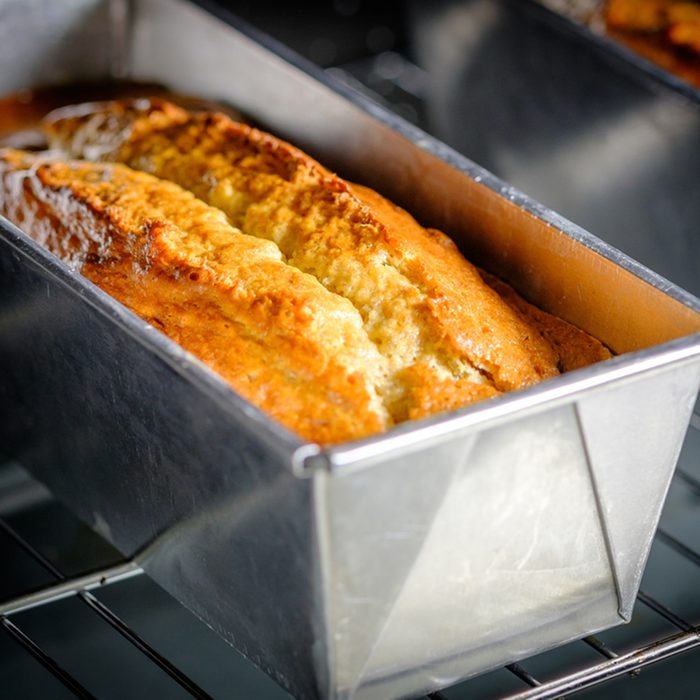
277 335
341 302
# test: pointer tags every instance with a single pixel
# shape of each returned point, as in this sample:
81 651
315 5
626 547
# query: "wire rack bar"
32 551
601 647
81 587
104 612
689 480
613 668
678 546
44 659
665 612
523 675
69 587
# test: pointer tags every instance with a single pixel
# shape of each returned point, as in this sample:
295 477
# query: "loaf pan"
385 567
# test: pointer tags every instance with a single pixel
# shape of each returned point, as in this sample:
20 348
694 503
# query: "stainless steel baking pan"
571 117
385 567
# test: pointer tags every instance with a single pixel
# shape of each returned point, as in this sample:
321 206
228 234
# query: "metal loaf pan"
385 567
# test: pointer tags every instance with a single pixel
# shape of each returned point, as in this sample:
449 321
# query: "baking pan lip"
275 436
410 437
302 457
462 163
656 75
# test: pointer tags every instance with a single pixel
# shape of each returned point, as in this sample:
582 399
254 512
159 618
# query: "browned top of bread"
439 337
277 335
573 347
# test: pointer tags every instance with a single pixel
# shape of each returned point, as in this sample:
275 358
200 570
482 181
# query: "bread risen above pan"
279 338
320 301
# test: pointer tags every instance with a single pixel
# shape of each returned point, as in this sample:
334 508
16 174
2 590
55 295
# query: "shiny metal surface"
69 587
159 449
573 119
68 32
315 563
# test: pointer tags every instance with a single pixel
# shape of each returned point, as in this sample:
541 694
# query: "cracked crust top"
435 335
275 334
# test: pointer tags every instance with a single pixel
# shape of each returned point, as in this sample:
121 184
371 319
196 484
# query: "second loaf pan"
573 118
385 567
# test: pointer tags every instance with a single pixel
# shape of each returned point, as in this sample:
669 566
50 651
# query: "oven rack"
87 588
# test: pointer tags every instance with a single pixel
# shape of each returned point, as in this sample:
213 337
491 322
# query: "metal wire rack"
612 664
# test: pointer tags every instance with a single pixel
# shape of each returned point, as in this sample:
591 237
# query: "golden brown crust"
574 347
419 299
440 336
427 393
467 314
275 334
